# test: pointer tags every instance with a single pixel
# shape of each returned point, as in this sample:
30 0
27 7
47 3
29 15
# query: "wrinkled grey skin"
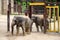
40 22
24 23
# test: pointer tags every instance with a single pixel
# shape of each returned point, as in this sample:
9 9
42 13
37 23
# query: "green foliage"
48 0
28 3
18 1
23 6
51 0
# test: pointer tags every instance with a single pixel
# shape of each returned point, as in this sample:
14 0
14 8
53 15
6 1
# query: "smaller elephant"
22 22
40 22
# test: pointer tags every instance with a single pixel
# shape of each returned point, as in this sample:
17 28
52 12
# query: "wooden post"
45 18
8 20
54 20
58 18
50 18
8 17
30 14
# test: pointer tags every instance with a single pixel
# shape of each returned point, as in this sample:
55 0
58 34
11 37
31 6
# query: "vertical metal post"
54 20
45 18
8 21
50 18
8 16
29 9
30 14
58 18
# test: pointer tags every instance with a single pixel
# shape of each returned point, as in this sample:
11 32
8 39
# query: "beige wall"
4 6
12 5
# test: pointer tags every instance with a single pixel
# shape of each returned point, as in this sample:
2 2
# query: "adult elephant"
21 21
40 21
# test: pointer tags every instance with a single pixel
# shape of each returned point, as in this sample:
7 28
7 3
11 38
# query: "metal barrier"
54 21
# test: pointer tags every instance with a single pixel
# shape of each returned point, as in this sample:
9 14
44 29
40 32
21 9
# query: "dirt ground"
4 35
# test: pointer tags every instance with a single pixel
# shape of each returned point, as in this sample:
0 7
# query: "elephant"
40 21
21 21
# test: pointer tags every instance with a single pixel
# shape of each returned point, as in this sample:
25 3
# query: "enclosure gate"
53 16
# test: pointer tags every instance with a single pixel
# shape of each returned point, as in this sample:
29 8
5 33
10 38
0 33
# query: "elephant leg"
45 29
31 27
45 26
12 27
41 28
17 28
37 27
27 28
23 28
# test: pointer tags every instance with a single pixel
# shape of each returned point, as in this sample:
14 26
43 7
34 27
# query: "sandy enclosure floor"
4 35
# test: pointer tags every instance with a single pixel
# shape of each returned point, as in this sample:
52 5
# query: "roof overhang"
40 3
52 6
